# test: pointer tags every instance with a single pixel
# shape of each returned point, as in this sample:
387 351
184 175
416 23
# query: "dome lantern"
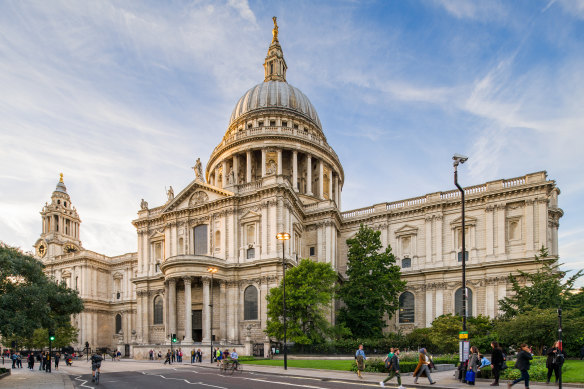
275 65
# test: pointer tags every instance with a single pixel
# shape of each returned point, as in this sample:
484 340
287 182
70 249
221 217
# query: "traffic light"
173 338
86 344
51 335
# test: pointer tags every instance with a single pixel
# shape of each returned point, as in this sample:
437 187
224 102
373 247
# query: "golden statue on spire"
61 177
275 30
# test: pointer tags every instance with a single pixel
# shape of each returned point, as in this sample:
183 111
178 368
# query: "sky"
124 96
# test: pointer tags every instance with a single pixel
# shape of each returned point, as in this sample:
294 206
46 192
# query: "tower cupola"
275 65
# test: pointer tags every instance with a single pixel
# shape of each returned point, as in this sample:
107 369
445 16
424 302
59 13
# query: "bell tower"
275 65
60 225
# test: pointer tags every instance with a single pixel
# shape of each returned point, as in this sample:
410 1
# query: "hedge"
377 365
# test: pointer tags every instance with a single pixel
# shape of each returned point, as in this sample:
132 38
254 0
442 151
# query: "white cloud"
477 10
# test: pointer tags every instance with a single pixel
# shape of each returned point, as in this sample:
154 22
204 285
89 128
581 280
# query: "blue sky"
122 97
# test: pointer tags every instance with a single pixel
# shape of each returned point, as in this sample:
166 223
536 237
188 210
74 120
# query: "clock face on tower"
41 249
70 248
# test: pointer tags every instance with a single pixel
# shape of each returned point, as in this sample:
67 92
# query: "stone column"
439 302
490 233
279 161
172 305
429 305
235 169
439 238
248 166
206 310
236 314
188 312
145 318
263 163
308 174
222 313
224 175
321 179
331 184
428 234
139 314
295 170
501 229
529 227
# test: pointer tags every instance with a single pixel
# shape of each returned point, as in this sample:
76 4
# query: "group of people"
43 358
225 355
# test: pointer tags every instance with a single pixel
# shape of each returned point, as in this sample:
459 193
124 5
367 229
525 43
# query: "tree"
310 287
444 331
64 336
373 286
542 289
29 299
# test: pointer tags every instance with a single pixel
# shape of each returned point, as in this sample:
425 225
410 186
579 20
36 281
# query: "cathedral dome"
275 94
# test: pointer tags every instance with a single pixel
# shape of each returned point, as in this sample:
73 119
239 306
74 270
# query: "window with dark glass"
158 310
458 302
406 262
250 253
312 251
118 323
406 308
250 303
200 234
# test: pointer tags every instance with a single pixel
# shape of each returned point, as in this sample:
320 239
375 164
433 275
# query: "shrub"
376 365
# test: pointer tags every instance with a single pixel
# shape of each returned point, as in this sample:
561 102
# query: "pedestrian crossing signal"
173 338
51 336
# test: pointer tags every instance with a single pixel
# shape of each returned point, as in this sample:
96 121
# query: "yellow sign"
463 335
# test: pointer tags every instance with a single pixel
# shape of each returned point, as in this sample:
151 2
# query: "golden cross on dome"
275 30
61 179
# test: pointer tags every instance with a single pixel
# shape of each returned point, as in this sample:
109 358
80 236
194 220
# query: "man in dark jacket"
393 369
523 362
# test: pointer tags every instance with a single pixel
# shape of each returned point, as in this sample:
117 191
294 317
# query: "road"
193 377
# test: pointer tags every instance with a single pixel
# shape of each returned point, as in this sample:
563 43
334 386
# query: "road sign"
463 335
464 348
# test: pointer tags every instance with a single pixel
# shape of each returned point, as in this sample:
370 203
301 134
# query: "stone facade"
273 172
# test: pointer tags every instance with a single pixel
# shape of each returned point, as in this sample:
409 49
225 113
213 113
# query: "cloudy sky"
123 96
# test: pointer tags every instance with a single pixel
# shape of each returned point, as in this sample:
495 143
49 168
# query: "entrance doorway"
197 325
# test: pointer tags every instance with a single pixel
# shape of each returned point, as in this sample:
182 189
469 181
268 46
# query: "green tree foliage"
309 291
539 328
64 336
373 286
29 299
444 331
542 289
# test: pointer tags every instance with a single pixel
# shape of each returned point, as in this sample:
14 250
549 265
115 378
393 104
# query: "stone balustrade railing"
269 130
452 194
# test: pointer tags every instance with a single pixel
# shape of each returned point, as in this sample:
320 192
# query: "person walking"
422 369
474 362
57 358
554 362
522 364
48 362
497 361
30 361
168 358
41 360
393 367
360 358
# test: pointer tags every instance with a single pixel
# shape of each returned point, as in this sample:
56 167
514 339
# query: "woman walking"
360 358
523 362
422 370
554 362
497 361
474 362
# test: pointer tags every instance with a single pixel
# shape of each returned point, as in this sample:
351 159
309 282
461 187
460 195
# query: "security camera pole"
460 159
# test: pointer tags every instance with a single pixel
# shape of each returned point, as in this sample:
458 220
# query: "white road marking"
83 382
185 380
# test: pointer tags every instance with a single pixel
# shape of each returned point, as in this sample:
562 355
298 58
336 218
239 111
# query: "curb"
5 374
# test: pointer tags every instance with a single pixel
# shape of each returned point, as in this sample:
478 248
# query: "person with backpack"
522 364
554 362
393 359
95 365
360 358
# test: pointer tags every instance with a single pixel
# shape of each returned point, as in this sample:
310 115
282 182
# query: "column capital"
171 280
206 280
187 280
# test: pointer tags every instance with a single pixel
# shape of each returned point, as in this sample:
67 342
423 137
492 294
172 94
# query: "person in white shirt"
235 358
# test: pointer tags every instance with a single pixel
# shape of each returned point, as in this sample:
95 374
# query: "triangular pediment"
195 194
406 230
468 221
156 235
249 216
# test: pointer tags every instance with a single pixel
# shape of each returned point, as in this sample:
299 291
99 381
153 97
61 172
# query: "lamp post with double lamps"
458 160
212 270
284 236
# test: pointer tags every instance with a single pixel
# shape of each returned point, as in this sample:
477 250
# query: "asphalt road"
206 378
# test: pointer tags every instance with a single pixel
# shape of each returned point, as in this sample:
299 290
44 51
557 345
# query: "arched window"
118 323
406 308
250 303
157 310
200 234
458 302
406 262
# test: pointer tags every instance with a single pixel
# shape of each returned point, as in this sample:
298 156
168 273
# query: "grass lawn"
328 364
574 371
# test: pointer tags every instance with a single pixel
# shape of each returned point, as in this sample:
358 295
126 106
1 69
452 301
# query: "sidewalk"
24 378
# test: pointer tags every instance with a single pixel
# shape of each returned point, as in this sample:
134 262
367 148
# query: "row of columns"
334 182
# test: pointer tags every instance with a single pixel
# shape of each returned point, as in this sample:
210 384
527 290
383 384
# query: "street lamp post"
561 351
460 159
212 270
284 236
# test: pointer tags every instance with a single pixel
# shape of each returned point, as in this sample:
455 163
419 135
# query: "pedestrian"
360 358
473 365
168 358
31 361
13 357
200 355
159 355
173 355
554 362
522 364
497 361
57 358
422 369
47 362
41 360
393 359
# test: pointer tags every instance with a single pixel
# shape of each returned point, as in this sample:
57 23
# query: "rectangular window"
260 123
312 251
272 123
284 123
251 253
200 234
